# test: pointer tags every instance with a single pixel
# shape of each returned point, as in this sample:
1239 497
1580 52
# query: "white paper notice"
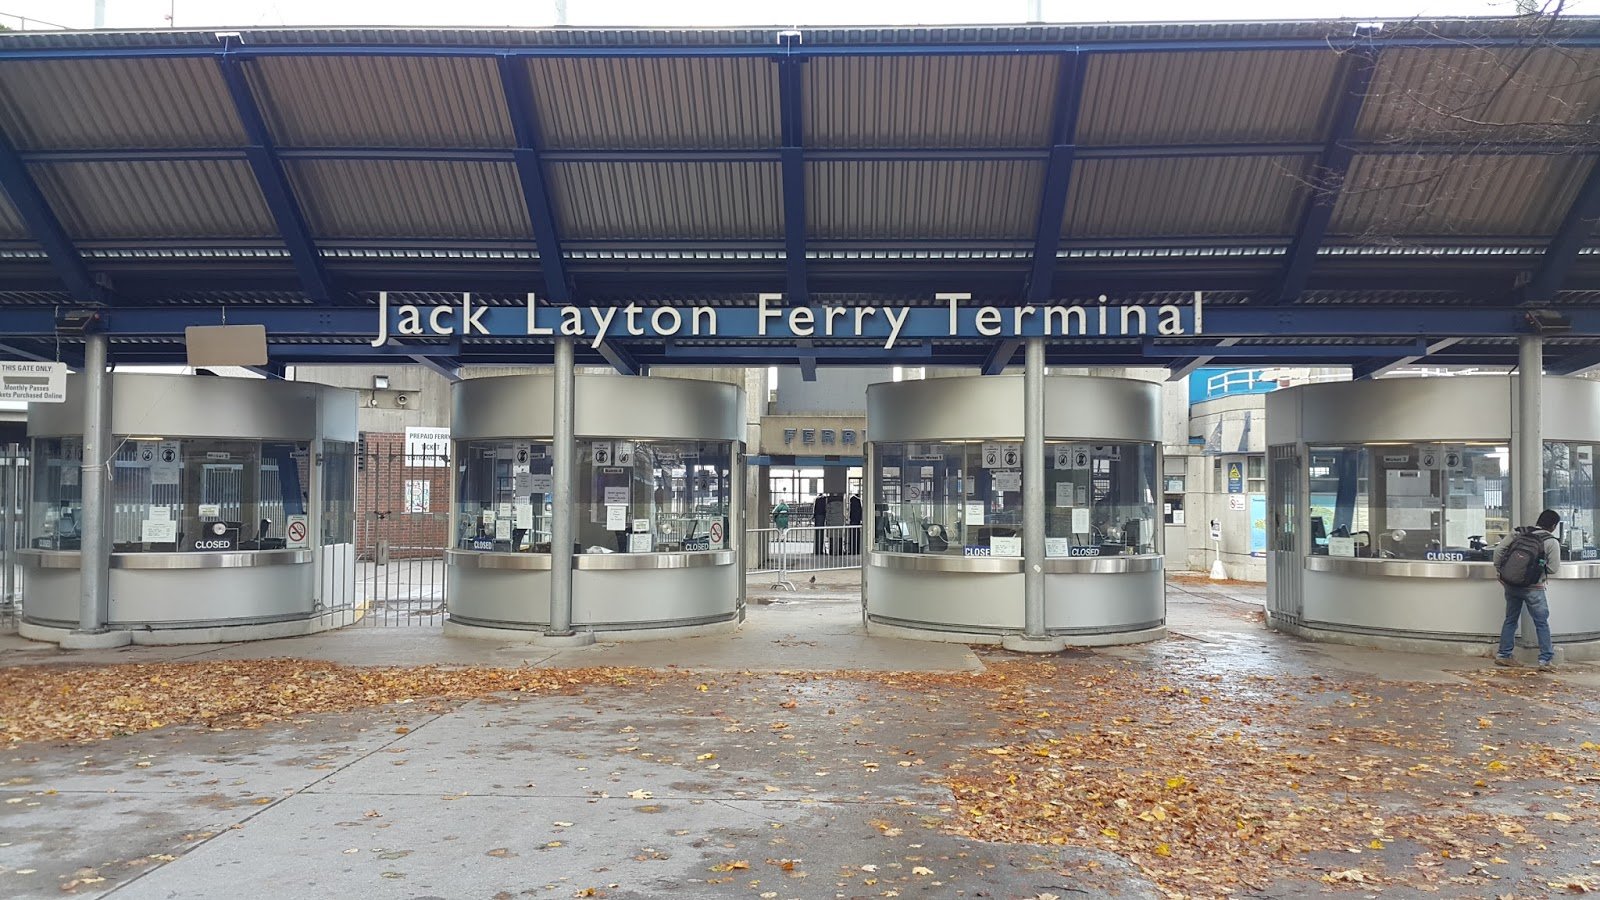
168 465
1177 517
1080 520
488 516
1005 546
1411 517
974 514
521 483
1064 493
160 514
1057 546
522 515
640 526
210 510
616 517
502 511
617 495
297 532
640 542
1236 502
163 532
1063 456
1008 481
502 529
1341 546
541 484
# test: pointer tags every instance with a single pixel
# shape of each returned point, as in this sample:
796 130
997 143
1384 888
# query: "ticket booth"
1387 498
230 506
949 503
656 523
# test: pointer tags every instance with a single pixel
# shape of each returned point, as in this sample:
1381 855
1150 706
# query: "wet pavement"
1275 767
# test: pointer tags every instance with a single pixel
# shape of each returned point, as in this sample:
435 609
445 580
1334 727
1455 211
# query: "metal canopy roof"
1405 188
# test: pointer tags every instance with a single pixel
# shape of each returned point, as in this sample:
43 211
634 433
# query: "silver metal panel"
1573 610
1102 565
1283 417
1110 409
1175 98
498 596
1403 409
947 409
251 559
411 199
680 201
923 200
931 562
964 601
611 598
196 596
216 198
1478 194
519 406
50 595
656 103
1103 603
1255 196
50 559
1473 92
514 562
1417 607
338 416
631 562
382 101
1401 568
189 406
930 101
1571 409
116 103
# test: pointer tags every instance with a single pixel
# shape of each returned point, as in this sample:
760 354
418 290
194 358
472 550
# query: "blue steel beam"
1000 356
1374 368
518 89
620 359
274 184
1327 179
791 97
15 352
1577 227
1291 351
1057 175
45 228
1575 363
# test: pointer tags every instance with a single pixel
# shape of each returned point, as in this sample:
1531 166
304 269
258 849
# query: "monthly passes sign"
34 382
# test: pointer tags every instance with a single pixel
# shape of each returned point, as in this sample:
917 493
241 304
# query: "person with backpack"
1524 561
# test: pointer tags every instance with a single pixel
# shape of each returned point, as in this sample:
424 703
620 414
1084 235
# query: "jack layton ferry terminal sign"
770 318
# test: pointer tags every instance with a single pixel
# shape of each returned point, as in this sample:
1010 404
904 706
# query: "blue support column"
514 81
1576 229
275 190
1327 179
791 97
1057 176
44 227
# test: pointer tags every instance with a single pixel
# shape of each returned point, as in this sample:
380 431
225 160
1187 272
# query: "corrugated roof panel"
1545 93
930 101
1491 194
11 224
410 199
1252 196
714 201
1164 98
155 200
372 101
656 103
116 103
906 200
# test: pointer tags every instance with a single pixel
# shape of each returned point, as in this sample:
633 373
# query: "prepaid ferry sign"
33 382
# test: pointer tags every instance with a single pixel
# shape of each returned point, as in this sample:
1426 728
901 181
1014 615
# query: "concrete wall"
836 391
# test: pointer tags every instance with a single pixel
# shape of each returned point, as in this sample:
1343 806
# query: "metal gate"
803 548
1284 552
13 484
403 506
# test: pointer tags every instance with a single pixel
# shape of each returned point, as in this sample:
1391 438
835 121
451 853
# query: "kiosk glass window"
1448 501
1101 499
654 496
56 508
1569 489
943 498
502 496
338 492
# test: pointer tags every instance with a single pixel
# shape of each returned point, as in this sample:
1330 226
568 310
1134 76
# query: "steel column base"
1021 643
95 640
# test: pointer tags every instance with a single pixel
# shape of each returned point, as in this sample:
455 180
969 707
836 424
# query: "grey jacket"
1552 553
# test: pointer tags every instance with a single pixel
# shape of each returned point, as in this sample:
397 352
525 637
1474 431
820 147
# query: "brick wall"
382 473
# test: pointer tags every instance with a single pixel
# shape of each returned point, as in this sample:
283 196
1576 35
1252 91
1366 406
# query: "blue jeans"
1538 609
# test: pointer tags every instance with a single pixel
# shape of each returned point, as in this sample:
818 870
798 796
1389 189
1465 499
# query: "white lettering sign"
33 382
427 447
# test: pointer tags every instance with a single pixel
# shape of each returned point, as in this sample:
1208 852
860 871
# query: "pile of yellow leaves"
87 703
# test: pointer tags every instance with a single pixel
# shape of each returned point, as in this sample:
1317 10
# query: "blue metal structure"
288 177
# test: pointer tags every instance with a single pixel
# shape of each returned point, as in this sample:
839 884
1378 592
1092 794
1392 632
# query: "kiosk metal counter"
945 474
656 523
1387 498
230 508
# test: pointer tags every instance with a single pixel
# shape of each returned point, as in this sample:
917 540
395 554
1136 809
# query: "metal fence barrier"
805 548
403 513
13 484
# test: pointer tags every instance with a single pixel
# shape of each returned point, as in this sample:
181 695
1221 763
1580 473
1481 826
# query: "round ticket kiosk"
655 523
1388 497
945 474
229 504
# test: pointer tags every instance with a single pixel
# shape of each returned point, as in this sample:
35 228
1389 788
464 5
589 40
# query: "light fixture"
380 382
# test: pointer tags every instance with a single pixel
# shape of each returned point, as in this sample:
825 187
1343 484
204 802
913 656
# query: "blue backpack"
1523 563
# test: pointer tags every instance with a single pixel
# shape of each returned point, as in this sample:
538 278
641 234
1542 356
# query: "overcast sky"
536 13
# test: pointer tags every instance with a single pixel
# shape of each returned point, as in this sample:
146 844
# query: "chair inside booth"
183 495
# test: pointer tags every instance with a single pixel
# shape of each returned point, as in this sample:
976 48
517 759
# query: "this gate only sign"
34 382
